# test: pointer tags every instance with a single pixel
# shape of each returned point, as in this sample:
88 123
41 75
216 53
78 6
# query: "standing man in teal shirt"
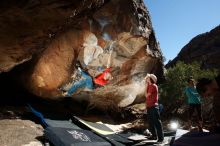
194 102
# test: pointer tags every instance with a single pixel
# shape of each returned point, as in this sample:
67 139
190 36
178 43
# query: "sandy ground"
16 129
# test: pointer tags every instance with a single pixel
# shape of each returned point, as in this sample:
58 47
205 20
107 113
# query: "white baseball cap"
152 76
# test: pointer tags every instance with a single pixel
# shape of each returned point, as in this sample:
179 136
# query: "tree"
172 90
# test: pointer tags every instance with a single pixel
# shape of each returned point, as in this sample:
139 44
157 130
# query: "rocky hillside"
45 39
204 48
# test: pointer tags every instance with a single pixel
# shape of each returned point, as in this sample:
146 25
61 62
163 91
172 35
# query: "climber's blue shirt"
192 95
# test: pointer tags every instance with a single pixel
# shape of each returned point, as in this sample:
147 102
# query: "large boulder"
52 35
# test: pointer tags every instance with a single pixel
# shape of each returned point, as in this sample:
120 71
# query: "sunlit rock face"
96 33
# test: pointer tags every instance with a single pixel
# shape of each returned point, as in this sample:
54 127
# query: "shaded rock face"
204 48
53 35
27 26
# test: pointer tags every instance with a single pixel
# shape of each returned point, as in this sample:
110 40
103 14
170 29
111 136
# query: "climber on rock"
86 80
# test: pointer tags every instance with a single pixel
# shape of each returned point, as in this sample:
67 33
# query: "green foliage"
172 89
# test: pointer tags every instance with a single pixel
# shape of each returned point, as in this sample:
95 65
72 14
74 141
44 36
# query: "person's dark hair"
78 64
152 81
190 79
201 85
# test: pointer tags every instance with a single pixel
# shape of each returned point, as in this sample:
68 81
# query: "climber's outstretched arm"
109 59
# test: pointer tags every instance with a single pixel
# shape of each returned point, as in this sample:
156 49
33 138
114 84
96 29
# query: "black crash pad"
73 137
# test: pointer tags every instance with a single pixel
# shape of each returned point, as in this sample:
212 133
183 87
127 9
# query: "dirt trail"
16 129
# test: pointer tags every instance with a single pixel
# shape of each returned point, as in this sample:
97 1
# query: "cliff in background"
204 48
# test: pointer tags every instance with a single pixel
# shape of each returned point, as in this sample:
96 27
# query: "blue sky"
176 22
